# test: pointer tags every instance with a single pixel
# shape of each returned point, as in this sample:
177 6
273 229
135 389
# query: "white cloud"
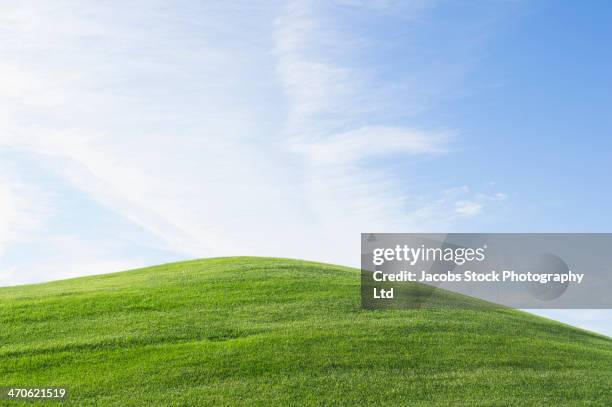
468 208
216 141
7 215
22 210
369 141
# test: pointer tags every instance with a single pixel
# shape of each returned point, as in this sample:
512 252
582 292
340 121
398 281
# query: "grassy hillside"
264 331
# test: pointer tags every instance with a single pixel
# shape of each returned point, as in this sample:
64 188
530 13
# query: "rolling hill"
264 331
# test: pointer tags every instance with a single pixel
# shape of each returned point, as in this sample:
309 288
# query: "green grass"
260 331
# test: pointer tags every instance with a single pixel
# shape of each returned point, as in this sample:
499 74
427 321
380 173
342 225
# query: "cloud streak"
196 140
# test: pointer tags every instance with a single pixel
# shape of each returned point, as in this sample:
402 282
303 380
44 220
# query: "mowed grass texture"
262 331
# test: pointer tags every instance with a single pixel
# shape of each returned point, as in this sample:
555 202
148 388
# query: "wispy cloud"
23 210
370 141
467 208
205 130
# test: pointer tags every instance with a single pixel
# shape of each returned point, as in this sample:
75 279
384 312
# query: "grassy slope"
274 331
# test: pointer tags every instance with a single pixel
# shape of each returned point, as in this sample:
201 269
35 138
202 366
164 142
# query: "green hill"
244 331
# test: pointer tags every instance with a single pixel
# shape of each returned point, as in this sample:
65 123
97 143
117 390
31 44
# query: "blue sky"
140 133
